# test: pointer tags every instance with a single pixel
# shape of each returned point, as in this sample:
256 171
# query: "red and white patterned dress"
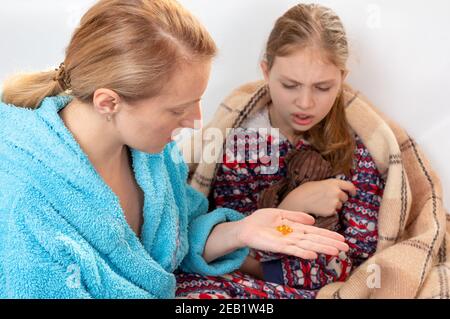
238 185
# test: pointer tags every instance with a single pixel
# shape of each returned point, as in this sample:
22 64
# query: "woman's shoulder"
17 198
25 123
11 116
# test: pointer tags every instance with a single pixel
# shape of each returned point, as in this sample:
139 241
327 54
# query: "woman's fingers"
297 217
306 241
318 231
302 229
341 246
306 246
314 246
293 250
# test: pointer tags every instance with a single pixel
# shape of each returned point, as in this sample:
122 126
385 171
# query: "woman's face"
148 125
303 88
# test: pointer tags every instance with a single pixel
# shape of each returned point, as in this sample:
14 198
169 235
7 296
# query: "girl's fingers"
347 186
343 197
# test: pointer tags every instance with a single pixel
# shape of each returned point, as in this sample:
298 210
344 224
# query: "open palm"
305 241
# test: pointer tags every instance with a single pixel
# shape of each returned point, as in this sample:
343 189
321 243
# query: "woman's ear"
106 102
265 70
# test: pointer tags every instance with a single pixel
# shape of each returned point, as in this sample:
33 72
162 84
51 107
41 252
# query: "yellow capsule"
285 230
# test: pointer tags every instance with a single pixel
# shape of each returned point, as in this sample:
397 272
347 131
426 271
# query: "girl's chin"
302 128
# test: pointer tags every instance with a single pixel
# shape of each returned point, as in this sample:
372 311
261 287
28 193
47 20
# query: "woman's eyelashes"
178 112
185 108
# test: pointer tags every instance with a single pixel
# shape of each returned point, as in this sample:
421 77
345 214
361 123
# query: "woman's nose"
194 119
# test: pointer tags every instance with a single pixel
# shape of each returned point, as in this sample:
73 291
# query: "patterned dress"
240 180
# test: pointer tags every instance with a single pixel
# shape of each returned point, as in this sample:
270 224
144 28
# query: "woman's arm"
224 239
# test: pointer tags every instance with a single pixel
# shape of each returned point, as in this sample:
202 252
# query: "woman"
93 196
304 96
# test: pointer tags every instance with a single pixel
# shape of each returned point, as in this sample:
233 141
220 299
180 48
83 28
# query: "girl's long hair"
312 25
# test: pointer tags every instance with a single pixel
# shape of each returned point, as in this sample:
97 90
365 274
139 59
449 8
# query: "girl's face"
148 125
303 87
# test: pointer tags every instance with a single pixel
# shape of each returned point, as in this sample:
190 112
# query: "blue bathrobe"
63 233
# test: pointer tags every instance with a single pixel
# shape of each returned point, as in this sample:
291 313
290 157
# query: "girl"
304 96
93 196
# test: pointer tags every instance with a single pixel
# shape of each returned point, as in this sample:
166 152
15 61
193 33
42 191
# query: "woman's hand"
323 198
259 231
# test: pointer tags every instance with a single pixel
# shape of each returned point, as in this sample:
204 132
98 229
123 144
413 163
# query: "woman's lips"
302 119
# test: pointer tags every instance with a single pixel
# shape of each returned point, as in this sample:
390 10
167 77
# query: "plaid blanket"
411 260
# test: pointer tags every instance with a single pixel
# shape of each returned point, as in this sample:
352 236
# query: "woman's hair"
132 47
315 26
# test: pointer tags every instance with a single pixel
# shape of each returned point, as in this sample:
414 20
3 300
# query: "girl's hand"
259 231
323 198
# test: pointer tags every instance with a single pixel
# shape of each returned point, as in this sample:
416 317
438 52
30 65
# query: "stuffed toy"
303 166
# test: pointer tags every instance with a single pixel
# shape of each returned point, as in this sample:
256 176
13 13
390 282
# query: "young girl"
304 96
93 195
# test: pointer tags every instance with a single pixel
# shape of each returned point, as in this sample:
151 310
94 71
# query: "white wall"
400 53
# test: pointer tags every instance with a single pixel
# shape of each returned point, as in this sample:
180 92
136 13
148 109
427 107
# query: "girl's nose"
305 100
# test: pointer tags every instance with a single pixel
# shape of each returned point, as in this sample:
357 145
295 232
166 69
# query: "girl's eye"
289 87
323 89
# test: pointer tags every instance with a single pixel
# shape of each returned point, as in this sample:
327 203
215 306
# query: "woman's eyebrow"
186 104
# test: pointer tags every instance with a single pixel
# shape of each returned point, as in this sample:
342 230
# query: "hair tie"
62 78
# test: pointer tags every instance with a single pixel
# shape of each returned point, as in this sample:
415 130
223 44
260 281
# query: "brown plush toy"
302 166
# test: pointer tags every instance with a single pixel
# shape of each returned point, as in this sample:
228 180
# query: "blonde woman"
93 195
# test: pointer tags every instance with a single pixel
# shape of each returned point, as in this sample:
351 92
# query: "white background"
400 53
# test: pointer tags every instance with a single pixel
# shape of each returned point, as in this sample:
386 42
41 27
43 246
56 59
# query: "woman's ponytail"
29 90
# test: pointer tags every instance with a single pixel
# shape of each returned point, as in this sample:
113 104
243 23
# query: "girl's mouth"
302 119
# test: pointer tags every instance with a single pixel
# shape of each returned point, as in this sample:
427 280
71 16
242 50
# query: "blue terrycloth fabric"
63 233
